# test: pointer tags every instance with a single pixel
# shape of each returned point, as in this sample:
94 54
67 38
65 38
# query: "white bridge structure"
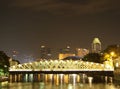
60 66
46 70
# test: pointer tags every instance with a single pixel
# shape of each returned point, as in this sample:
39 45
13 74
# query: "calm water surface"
42 85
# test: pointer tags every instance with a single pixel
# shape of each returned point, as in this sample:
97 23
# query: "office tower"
96 45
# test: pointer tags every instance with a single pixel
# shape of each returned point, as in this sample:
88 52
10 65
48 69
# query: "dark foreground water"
42 85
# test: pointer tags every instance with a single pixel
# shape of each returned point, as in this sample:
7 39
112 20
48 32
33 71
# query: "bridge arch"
61 65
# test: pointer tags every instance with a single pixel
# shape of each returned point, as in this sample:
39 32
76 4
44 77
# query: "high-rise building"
65 52
96 45
81 52
45 52
64 55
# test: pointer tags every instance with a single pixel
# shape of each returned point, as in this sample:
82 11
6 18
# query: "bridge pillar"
110 79
66 78
70 78
13 78
42 77
56 78
46 78
106 79
36 77
61 78
25 77
50 78
10 78
83 78
30 78
73 78
19 77
78 78
90 79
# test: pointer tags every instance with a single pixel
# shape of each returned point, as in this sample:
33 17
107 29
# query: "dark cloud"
4 5
75 1
67 7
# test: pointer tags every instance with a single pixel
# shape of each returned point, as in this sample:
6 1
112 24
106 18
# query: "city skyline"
26 25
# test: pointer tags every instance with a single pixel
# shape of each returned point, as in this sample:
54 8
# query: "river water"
42 85
62 81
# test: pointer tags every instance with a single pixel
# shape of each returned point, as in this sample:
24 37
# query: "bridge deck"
68 71
50 70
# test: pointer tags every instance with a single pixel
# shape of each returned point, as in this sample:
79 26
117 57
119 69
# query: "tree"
4 62
111 51
93 57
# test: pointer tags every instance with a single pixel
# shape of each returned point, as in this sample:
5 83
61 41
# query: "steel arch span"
61 65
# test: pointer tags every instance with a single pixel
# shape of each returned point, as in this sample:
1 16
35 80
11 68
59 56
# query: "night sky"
25 25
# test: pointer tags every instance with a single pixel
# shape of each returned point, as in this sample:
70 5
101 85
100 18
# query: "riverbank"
3 78
117 75
3 81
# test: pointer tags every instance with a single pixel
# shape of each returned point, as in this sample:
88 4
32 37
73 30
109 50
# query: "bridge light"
97 64
19 65
76 61
51 60
87 63
74 75
117 65
91 63
46 61
102 65
13 67
25 64
56 61
30 63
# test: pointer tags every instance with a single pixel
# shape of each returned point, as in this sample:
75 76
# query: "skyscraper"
45 52
81 52
65 52
96 45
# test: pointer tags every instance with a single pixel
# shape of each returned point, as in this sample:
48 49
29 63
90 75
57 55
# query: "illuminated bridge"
61 67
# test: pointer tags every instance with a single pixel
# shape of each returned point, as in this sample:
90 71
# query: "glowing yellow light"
117 65
112 53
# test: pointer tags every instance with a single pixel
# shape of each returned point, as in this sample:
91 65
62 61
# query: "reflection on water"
60 81
42 85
